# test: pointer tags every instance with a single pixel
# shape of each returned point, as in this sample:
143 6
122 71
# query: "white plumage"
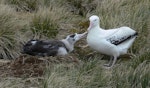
112 42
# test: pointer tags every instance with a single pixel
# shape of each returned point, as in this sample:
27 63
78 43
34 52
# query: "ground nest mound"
32 66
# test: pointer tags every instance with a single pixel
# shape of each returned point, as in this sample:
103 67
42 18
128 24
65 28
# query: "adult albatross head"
94 22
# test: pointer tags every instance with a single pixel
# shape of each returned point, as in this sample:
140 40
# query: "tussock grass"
7 32
81 7
129 77
42 24
51 18
76 76
48 20
24 5
12 34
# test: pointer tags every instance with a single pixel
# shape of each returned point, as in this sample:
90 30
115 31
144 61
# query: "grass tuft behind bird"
56 15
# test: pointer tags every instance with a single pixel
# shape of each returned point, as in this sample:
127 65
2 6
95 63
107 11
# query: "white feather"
62 51
97 39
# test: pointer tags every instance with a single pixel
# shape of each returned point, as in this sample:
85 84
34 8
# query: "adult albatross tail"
112 42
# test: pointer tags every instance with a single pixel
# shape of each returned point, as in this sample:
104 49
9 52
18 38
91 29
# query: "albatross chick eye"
72 35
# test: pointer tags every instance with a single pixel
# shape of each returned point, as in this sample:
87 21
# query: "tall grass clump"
24 5
60 75
91 74
48 20
69 75
81 7
7 33
126 76
43 25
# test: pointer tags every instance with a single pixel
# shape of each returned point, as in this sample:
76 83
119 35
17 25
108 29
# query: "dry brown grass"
77 70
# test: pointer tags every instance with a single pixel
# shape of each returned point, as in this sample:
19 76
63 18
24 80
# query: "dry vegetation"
22 20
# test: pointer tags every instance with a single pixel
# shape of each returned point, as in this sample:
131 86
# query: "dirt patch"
31 66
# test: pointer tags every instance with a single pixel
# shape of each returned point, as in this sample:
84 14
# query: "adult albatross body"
112 42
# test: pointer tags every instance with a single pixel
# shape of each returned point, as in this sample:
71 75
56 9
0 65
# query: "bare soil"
31 66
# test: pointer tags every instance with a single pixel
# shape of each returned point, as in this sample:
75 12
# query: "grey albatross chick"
112 42
52 47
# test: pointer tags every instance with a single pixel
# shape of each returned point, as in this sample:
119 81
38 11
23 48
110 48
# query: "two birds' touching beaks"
112 42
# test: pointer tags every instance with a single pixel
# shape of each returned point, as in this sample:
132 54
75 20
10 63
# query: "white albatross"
112 42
